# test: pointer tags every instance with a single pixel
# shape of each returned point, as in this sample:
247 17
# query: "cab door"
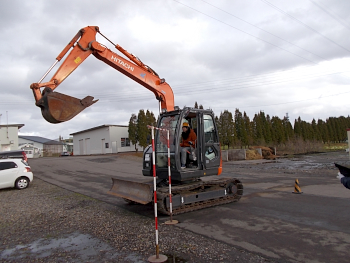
211 149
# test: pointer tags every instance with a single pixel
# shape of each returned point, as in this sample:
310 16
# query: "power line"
301 23
263 30
282 103
330 14
229 84
246 32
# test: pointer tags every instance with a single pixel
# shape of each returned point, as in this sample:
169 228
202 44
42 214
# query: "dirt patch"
266 152
253 155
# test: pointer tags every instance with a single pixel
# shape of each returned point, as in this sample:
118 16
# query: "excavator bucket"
57 107
139 192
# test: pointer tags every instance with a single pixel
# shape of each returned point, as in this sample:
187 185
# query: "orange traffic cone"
297 189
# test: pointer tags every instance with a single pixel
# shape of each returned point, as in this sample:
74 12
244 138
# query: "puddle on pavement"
82 247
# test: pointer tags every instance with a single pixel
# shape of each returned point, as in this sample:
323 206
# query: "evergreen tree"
142 130
342 128
304 130
249 130
338 130
267 127
288 129
226 131
262 126
277 131
331 129
150 120
258 130
316 132
132 130
240 129
321 126
297 127
198 107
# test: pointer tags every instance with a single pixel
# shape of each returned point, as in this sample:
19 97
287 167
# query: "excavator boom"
57 107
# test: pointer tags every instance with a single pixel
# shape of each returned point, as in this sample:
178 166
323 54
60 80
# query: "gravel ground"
45 223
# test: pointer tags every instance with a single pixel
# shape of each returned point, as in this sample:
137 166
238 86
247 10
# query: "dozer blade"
57 107
140 192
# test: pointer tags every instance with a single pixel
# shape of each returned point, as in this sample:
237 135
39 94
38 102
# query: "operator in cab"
189 138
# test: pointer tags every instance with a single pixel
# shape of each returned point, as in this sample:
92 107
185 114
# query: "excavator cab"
207 152
190 191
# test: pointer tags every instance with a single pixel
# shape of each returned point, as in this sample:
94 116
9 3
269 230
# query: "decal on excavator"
77 60
126 65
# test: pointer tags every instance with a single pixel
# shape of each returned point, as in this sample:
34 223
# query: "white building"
36 146
102 140
9 137
31 151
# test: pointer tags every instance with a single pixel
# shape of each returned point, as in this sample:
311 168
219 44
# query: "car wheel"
22 183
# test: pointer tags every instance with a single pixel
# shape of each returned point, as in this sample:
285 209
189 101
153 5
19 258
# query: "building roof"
12 125
39 139
99 127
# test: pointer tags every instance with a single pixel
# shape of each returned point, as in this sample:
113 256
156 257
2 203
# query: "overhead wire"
290 102
276 46
208 87
303 24
248 81
220 82
267 105
263 30
267 32
330 14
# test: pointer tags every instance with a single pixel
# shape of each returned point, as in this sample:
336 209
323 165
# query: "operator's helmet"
185 124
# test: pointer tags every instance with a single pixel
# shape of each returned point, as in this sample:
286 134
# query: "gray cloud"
224 55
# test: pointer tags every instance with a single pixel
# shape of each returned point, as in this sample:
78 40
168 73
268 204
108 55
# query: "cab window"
210 135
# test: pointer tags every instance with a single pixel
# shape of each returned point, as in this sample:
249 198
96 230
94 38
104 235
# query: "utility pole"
7 116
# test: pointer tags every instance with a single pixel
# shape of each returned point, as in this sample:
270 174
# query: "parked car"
15 173
14 154
65 154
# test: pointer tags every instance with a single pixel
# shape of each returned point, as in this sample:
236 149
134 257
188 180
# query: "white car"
15 173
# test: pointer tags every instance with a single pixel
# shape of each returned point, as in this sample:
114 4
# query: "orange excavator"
193 188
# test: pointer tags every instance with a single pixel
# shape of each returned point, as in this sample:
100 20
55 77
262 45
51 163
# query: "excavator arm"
57 107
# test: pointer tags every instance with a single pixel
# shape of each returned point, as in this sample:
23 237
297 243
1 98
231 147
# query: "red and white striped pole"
171 222
157 257
169 174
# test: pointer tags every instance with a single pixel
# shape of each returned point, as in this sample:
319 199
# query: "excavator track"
233 193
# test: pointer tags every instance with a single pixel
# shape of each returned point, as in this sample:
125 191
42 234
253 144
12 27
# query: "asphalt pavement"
270 219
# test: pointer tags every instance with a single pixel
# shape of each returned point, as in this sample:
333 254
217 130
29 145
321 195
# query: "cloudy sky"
255 55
